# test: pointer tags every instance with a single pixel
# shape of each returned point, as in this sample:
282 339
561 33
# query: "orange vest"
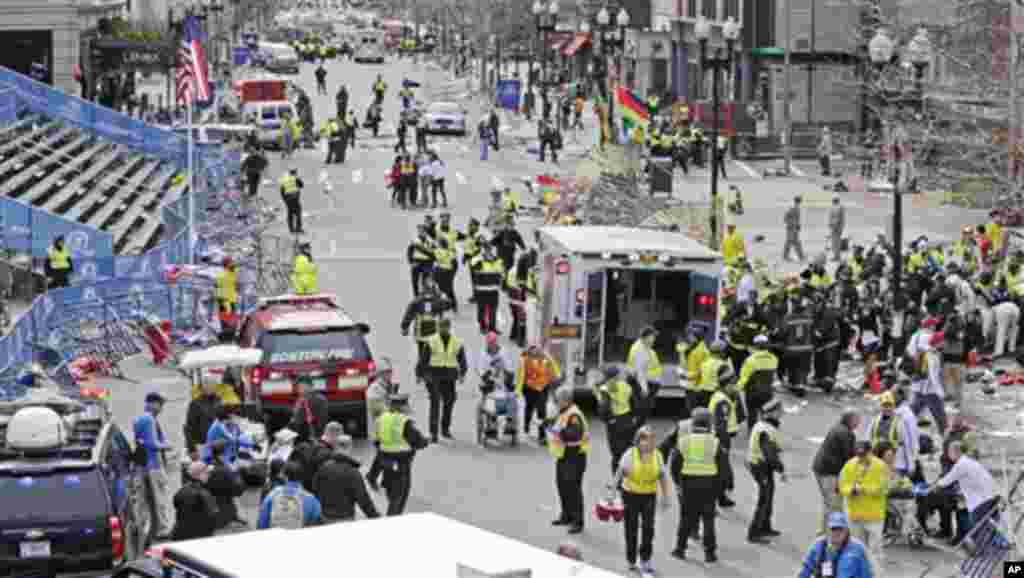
537 377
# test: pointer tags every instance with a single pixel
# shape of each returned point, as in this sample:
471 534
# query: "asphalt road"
359 243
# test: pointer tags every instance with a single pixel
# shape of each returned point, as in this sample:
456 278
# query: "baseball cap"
838 520
154 397
761 340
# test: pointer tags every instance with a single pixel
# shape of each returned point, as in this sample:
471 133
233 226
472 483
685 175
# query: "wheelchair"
497 414
901 522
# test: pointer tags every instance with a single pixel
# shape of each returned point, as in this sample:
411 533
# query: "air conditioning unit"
36 430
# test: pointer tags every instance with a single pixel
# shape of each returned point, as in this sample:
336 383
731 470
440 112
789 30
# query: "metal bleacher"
23 164
68 176
65 162
22 145
152 221
152 192
119 201
41 149
89 175
23 123
82 211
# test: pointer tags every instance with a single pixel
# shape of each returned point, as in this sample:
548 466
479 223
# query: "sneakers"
646 567
679 554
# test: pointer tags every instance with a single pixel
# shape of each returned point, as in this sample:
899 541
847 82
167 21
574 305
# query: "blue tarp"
109 124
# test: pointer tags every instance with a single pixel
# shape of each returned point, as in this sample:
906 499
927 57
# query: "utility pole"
787 105
1013 136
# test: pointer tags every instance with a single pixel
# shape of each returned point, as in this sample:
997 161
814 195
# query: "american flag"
193 82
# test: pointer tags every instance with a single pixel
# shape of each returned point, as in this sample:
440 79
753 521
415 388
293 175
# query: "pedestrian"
930 392
725 425
202 412
59 265
494 123
408 180
757 378
291 193
537 372
765 459
225 484
341 100
645 367
340 487
423 176
520 286
825 152
398 440
975 481
862 483
615 402
834 452
838 554
421 134
401 131
569 443
438 170
695 468
954 356
350 125
150 437
310 412
484 131
289 506
836 226
441 364
721 148
507 240
792 223
195 511
253 166
321 79
1007 321
642 478
550 140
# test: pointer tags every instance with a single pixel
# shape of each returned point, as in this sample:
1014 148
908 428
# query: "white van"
369 47
280 58
267 116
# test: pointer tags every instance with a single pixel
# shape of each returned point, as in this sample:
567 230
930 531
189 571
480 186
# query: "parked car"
446 117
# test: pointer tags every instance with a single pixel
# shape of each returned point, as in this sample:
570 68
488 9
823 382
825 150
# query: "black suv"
73 509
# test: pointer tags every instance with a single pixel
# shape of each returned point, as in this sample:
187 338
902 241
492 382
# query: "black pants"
681 158
59 278
419 271
494 137
620 437
253 182
755 401
446 284
695 399
646 407
518 331
720 161
536 403
701 495
442 402
826 363
342 107
548 145
761 523
798 365
639 518
397 484
294 208
726 476
738 356
437 186
826 165
487 310
569 478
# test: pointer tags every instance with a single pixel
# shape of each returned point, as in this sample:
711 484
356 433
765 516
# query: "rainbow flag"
633 110
550 189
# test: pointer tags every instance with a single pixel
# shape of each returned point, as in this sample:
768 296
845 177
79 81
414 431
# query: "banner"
111 125
240 55
507 93
26 229
8 105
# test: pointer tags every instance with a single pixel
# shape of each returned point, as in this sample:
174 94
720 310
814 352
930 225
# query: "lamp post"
547 19
613 35
717 64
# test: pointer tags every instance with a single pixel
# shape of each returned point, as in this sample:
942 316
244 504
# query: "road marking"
357 176
370 257
747 168
793 168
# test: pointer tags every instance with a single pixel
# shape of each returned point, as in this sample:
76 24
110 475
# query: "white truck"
600 286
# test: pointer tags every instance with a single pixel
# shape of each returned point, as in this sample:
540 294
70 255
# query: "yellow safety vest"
819 281
699 452
494 269
304 276
380 86
654 368
422 252
408 168
644 475
556 447
445 258
732 424
692 361
894 431
289 184
426 325
994 231
471 244
390 433
441 356
227 286
915 263
619 395
709 374
60 259
756 456
451 235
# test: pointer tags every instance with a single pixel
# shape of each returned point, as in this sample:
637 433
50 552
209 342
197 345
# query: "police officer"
305 273
799 346
291 188
472 245
331 133
615 397
725 426
58 263
489 272
421 256
694 467
442 363
711 371
398 440
226 287
764 459
446 263
426 309
569 444
757 376
349 125
692 355
645 367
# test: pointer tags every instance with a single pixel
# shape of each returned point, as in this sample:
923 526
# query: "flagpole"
191 189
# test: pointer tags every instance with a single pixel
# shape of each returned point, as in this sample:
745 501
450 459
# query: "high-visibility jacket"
654 368
915 263
937 257
329 129
758 370
644 474
471 244
756 454
733 247
450 235
1013 283
875 435
489 275
555 444
856 269
426 325
536 373
422 252
289 184
693 360
227 286
441 356
709 374
871 478
59 258
699 452
304 276
380 86
619 397
732 424
391 433
445 258
820 281
994 232
408 169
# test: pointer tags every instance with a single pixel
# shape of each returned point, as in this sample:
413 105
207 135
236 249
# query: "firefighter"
764 459
426 309
537 372
757 377
615 396
695 466
489 272
421 256
799 346
305 273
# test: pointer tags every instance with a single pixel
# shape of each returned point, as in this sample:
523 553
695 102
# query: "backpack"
286 510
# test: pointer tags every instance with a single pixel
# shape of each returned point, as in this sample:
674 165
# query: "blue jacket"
231 434
310 505
146 435
852 563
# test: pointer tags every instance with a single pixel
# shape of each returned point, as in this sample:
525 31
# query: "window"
709 9
732 8
691 8
642 285
61 494
345 344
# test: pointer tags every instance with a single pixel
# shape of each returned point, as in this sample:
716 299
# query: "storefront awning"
581 40
556 40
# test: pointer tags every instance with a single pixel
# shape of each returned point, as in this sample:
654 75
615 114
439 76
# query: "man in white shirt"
906 453
976 483
929 392
437 175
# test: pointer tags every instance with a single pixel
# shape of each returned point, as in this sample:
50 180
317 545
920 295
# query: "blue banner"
8 105
507 93
109 124
240 55
26 229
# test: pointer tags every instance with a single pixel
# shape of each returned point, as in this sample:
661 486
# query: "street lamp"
612 34
717 64
546 16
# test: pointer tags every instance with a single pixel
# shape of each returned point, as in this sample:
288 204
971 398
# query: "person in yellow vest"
734 247
420 255
490 272
757 378
692 354
472 243
764 459
887 426
695 465
425 310
58 264
725 425
330 132
569 443
536 373
226 287
291 193
643 478
441 364
716 365
615 400
863 481
994 232
446 264
645 367
305 273
965 251
398 440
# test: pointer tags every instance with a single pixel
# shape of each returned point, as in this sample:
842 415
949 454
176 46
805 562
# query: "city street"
359 243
